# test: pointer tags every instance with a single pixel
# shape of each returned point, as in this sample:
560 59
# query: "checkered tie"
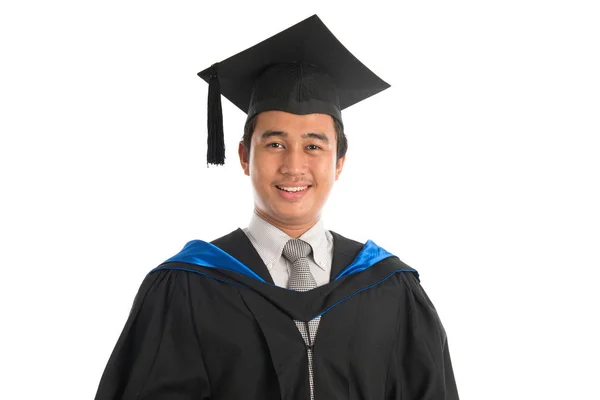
297 251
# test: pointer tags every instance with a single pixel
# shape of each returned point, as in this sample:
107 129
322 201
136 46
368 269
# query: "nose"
294 161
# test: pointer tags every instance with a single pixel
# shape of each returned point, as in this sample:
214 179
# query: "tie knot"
295 249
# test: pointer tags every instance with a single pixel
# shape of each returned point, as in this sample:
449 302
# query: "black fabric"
307 42
208 334
297 88
304 69
238 245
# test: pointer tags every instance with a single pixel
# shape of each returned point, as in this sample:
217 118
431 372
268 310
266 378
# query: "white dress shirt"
269 241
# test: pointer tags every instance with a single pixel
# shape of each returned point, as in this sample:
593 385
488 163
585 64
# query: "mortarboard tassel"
216 142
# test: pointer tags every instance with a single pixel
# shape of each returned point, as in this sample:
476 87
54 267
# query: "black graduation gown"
206 333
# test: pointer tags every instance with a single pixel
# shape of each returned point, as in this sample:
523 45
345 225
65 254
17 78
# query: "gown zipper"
310 351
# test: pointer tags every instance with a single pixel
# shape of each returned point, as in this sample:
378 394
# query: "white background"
479 167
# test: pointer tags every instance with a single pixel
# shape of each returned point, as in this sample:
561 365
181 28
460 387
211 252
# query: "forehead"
294 123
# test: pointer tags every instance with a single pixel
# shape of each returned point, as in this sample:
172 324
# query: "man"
284 309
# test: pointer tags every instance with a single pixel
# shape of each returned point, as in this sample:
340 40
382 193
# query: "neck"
292 230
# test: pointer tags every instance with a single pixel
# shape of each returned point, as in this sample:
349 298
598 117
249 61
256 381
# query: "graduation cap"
302 70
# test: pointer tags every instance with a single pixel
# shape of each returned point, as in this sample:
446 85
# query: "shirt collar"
270 241
315 236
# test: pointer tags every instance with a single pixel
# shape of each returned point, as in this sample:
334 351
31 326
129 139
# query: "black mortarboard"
302 70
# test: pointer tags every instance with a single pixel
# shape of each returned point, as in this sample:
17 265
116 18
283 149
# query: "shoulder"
351 256
345 245
354 247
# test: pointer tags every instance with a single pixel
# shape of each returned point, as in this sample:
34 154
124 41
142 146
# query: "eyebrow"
318 136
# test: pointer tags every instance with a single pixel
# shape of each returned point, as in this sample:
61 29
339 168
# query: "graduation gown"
210 324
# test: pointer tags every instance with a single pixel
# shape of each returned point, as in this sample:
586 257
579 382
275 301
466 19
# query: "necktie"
297 251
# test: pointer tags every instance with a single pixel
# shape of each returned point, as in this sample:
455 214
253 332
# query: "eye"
313 147
275 145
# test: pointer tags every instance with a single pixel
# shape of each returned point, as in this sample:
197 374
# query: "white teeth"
292 189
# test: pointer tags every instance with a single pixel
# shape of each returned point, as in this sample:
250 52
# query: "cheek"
326 169
261 170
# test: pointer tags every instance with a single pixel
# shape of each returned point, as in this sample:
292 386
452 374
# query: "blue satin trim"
199 252
204 254
370 255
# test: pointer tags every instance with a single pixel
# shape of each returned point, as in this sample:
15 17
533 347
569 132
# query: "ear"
244 159
339 166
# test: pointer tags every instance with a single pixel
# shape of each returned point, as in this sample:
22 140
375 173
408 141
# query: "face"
292 165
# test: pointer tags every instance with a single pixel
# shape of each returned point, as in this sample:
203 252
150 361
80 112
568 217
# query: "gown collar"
239 246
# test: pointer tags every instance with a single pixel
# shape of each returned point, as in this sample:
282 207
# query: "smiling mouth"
292 189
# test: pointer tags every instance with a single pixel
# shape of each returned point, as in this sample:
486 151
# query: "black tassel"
216 142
